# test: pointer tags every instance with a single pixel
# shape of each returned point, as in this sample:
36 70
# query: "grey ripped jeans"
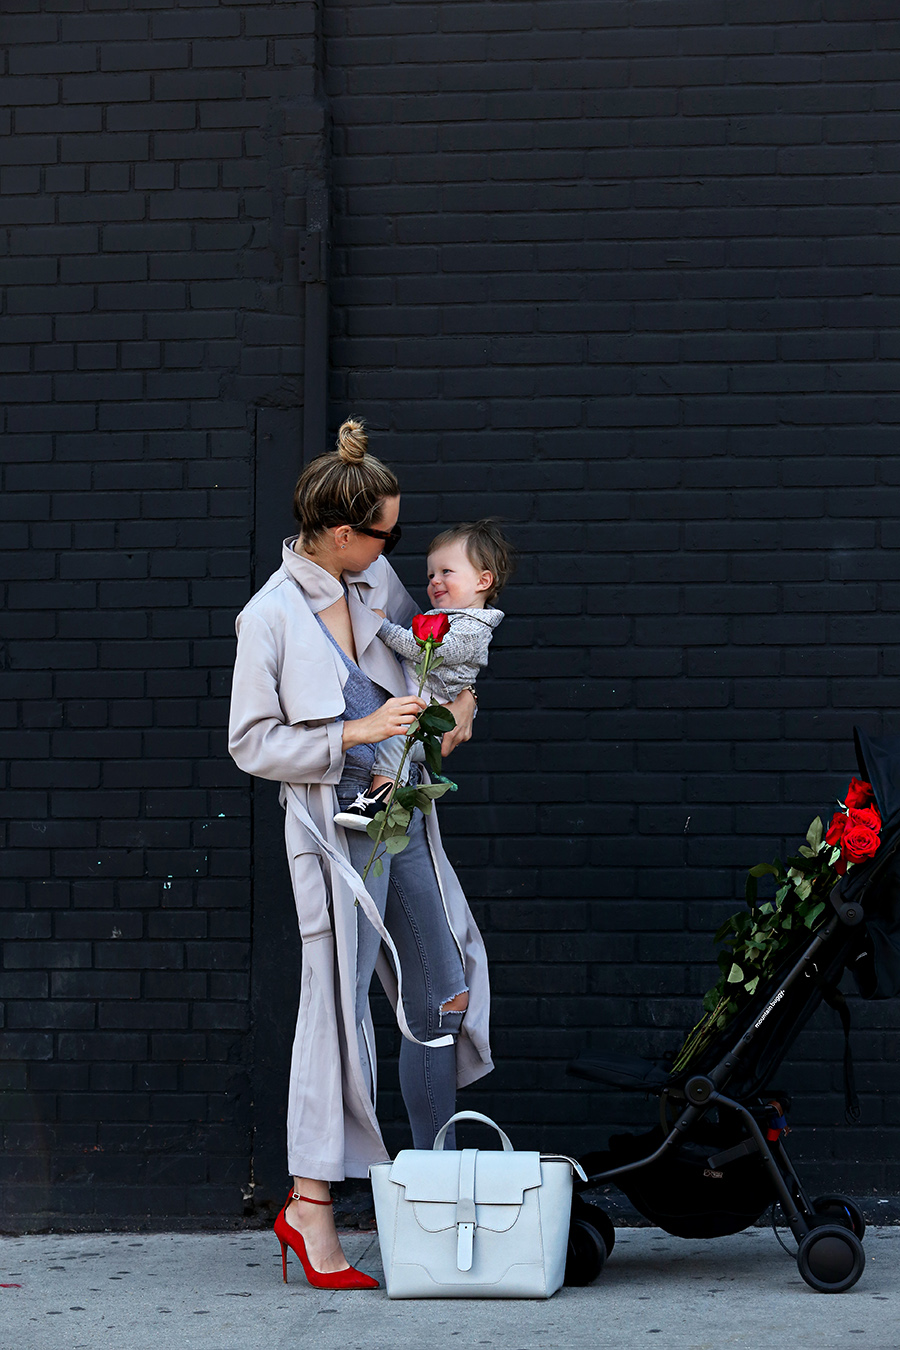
409 900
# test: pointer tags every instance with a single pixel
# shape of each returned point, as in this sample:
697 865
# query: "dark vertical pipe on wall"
276 947
286 440
314 273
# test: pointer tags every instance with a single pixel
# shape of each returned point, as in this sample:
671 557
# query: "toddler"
468 566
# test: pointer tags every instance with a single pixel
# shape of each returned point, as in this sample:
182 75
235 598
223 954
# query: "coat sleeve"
260 740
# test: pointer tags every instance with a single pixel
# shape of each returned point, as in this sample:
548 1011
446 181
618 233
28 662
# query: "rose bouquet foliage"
388 827
755 939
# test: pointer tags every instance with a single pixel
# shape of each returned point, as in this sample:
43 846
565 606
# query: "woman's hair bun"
345 486
352 442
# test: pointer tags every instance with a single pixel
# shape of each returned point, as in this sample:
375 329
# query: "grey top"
361 697
463 651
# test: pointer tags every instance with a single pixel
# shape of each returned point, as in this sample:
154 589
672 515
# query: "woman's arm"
393 718
463 709
260 741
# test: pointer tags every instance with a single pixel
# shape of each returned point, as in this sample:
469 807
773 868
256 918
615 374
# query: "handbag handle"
471 1115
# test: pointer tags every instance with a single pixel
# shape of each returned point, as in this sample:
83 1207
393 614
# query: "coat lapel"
319 587
321 590
375 659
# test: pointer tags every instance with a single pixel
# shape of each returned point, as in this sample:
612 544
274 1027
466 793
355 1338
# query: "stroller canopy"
876 966
879 764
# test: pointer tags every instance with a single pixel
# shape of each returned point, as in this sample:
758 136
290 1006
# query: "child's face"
453 583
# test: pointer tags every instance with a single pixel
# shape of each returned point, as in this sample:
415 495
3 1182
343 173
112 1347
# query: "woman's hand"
463 709
391 719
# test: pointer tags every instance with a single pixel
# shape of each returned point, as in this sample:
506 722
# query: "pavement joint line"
223 1291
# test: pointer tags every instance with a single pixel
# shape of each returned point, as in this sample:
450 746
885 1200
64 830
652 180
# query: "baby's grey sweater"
464 649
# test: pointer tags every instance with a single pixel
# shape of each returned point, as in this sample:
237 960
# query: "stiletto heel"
351 1278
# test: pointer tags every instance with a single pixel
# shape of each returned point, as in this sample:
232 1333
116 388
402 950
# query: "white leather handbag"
473 1223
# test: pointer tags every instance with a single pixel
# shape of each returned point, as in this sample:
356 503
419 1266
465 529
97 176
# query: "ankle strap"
309 1199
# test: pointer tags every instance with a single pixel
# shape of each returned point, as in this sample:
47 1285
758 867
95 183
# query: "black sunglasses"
390 537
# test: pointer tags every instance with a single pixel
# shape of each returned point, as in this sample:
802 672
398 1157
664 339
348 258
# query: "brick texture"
153 181
622 273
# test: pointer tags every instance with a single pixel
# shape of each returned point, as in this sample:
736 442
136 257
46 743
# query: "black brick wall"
621 272
626 274
153 180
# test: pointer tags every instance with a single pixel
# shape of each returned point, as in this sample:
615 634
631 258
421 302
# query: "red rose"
430 627
867 817
858 843
858 793
836 828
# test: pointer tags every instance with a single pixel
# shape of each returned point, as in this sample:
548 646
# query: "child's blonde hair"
486 548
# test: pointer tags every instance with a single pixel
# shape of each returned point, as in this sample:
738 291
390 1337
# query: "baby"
468 566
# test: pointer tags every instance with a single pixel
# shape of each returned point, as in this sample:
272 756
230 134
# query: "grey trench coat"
286 699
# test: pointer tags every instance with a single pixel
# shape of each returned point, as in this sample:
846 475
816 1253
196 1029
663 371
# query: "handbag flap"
500 1178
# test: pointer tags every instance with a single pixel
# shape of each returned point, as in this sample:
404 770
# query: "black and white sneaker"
357 815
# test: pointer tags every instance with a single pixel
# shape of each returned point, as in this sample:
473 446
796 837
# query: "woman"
314 691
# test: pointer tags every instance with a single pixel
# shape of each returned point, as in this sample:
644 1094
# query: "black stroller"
716 1161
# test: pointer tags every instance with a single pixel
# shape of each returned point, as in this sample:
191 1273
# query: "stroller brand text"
768 1008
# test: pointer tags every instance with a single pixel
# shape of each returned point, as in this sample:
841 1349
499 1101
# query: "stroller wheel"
597 1218
586 1253
831 1259
841 1210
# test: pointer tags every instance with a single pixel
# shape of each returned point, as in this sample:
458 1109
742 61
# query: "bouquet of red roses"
755 939
855 827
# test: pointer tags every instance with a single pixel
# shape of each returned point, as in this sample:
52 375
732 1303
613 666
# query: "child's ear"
485 581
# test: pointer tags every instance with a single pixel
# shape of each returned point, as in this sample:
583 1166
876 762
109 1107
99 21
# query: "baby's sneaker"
357 815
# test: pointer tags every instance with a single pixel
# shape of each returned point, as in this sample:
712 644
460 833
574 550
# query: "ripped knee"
452 1010
457 1004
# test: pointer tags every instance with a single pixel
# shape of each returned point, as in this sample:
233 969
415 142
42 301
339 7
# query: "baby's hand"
380 612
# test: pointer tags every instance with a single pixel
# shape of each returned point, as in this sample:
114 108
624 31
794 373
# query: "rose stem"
426 662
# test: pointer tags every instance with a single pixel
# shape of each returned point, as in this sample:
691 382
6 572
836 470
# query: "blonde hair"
486 548
347 486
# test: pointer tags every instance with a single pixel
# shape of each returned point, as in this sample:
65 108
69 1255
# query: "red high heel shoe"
289 1237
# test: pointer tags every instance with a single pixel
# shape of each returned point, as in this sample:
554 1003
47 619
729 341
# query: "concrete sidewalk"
224 1292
